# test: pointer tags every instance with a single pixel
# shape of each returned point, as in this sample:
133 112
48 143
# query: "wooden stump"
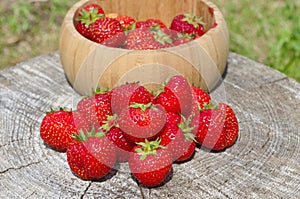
264 162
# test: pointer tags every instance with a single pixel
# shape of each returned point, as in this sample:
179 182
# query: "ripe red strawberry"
126 21
178 138
150 163
188 23
200 96
200 99
108 32
58 127
116 136
86 16
142 121
123 147
182 38
96 108
152 38
124 95
150 23
217 128
91 156
176 96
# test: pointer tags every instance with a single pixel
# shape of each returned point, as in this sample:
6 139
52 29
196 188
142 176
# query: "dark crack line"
18 168
86 190
142 193
224 194
274 81
32 194
268 139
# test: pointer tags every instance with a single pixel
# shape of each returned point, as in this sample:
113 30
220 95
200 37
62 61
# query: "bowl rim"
69 19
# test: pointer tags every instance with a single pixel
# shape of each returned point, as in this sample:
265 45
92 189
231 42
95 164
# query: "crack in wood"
32 194
86 190
18 168
268 139
274 81
142 193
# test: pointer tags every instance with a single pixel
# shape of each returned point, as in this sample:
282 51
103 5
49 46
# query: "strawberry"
124 95
150 23
178 138
217 127
116 136
182 38
108 32
58 126
96 108
188 23
126 21
152 38
176 96
142 121
200 99
91 156
123 147
86 16
150 163
200 96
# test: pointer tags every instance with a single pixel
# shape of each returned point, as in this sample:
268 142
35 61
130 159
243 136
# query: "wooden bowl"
202 61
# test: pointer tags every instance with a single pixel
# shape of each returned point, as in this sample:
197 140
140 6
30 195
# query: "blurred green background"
265 31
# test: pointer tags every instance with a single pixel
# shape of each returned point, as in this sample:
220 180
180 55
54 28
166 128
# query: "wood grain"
264 162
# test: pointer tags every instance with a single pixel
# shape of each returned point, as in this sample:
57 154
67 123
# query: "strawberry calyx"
83 137
148 148
207 106
160 36
88 17
100 90
163 87
144 107
193 20
52 110
110 122
188 36
187 129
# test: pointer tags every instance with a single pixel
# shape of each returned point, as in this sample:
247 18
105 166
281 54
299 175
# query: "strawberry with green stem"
126 94
91 156
116 136
150 163
58 126
127 22
150 23
176 95
148 38
108 32
179 139
216 127
97 107
86 16
142 121
200 99
188 23
182 38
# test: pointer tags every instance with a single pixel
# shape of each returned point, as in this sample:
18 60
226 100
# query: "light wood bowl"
203 61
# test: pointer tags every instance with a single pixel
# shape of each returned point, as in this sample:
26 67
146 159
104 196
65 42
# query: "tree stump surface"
263 163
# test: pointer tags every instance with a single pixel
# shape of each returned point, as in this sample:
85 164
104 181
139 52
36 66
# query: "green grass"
265 31
29 28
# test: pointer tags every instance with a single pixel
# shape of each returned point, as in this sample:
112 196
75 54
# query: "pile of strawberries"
126 32
149 130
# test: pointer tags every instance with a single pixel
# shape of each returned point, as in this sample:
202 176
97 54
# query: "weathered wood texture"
264 162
